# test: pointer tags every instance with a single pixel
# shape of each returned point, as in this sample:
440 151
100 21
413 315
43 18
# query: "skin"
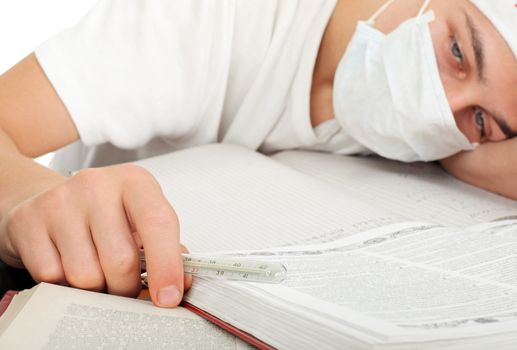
477 103
85 231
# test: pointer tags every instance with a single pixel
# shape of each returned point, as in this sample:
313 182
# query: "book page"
16 304
424 277
419 191
58 317
420 281
230 198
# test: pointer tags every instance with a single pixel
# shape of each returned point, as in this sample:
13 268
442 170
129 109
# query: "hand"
87 231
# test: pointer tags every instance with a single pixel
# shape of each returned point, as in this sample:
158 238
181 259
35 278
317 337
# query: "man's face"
478 70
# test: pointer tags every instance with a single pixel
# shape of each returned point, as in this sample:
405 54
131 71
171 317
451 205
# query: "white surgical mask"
388 94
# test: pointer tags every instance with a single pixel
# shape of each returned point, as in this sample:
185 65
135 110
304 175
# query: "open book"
380 255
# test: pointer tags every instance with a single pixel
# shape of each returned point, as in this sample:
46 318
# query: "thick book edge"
248 338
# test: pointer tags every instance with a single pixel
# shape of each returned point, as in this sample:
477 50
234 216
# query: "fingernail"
168 296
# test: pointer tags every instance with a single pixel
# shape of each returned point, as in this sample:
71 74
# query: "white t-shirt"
141 78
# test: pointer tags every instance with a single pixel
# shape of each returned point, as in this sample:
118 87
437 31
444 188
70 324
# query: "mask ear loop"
383 8
388 3
421 12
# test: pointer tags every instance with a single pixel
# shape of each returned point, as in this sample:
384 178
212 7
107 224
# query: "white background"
24 24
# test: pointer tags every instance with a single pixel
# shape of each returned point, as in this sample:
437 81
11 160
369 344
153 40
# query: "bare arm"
33 122
86 230
31 113
493 166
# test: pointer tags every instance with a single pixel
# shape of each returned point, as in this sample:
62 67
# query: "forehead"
501 73
500 64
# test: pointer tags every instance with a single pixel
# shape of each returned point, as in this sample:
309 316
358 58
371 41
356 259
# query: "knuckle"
89 280
136 174
91 178
134 171
48 272
56 198
94 184
124 262
130 290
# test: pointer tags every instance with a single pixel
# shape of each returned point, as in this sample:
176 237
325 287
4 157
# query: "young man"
136 78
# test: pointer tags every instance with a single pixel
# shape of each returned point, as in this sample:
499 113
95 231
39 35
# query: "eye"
456 51
480 121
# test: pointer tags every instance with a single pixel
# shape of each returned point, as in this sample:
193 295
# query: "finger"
27 238
187 281
157 225
117 249
79 258
137 239
41 258
187 278
8 251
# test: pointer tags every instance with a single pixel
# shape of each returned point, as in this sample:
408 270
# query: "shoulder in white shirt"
141 78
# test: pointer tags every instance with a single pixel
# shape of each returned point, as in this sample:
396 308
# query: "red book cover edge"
6 300
248 338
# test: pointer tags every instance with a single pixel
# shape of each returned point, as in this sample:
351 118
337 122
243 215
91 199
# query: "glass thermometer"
229 268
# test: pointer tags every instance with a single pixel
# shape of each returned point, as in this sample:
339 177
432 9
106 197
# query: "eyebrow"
479 56
477 45
503 125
